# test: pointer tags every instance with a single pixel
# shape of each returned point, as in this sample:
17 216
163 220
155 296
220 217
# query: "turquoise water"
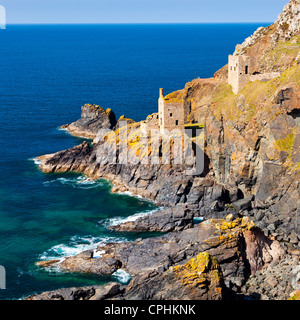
47 74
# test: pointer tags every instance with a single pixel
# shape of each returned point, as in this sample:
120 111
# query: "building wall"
239 69
171 114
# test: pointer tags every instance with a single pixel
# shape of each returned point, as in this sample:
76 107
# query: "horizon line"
132 23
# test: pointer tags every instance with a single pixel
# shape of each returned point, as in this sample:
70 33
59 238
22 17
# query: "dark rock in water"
84 293
170 219
71 160
93 118
84 262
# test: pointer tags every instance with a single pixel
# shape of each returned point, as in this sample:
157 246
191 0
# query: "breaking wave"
119 220
122 276
76 245
81 182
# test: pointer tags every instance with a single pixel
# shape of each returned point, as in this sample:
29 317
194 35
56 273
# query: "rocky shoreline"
247 197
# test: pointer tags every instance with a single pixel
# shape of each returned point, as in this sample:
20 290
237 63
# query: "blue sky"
141 11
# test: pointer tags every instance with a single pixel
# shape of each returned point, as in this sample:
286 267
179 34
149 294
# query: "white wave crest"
81 182
122 276
119 220
76 245
36 161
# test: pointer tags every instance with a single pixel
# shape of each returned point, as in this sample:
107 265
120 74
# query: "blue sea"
47 72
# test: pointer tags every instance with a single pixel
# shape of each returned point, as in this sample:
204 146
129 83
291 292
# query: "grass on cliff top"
176 96
255 95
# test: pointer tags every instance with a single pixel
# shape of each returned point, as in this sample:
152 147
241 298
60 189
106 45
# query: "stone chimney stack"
161 92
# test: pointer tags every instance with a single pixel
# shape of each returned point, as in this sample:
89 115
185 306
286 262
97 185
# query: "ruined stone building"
170 116
171 113
238 72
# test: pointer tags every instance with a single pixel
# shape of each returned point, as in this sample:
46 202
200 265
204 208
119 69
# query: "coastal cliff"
248 192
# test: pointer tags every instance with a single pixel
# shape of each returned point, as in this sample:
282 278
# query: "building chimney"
161 92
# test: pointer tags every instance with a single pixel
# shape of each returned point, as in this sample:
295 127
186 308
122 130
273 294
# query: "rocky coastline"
247 198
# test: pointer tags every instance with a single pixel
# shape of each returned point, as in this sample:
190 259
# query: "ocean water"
46 74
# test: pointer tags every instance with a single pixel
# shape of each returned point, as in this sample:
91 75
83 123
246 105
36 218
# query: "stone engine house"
171 114
238 72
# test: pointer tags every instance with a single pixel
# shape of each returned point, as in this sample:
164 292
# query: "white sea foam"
130 194
119 220
36 161
81 182
76 245
62 129
98 253
122 276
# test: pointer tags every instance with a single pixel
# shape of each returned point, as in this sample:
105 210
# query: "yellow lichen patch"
243 223
108 111
176 96
285 144
198 270
295 295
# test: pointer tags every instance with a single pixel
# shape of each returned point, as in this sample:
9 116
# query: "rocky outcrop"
166 184
288 22
93 118
268 47
83 293
230 242
171 219
199 279
275 282
213 260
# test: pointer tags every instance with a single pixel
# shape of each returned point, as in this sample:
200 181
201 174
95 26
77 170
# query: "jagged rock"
85 262
223 240
93 118
171 219
199 279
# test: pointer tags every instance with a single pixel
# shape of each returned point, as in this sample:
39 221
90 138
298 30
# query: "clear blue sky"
141 11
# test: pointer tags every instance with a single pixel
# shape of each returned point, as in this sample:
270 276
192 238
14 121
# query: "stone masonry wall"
238 72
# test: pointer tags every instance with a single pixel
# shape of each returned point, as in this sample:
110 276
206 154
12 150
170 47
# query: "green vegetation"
285 144
256 95
283 54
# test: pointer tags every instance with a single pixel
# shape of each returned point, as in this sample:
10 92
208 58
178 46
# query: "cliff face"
253 138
